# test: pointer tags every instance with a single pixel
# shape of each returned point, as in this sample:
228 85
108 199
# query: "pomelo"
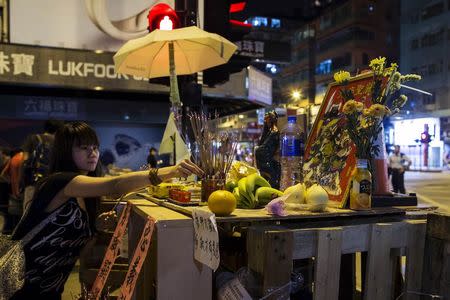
222 202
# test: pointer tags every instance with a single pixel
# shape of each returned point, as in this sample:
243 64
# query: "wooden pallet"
272 250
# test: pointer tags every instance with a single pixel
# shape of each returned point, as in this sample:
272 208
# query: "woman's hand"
183 169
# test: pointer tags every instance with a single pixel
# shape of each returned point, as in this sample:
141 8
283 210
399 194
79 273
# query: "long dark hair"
69 135
61 160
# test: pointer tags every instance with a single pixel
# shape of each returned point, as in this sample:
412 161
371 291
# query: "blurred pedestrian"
447 160
12 172
398 163
5 186
152 158
37 151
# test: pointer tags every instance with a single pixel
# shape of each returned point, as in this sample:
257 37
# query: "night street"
431 187
241 148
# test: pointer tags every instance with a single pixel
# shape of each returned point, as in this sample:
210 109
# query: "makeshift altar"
232 233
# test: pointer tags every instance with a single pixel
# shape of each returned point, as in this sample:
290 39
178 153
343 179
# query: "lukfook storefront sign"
42 66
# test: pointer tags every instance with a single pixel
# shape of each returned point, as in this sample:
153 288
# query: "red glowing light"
162 14
239 23
237 7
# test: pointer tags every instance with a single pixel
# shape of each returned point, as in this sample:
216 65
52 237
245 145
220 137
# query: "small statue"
266 153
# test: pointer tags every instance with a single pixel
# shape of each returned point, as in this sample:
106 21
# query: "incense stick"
215 150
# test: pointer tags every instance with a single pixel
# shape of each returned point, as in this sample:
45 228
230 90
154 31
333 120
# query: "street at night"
431 187
222 149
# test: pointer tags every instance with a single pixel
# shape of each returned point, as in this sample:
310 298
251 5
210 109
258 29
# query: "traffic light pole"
425 155
425 142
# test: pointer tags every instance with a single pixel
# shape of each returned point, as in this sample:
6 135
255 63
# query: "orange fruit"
222 202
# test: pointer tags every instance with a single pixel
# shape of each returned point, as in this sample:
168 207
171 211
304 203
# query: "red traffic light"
162 16
425 137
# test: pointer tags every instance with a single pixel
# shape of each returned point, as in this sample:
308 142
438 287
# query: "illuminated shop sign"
259 86
250 48
267 50
66 68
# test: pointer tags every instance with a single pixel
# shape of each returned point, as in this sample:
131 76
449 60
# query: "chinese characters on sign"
250 48
46 108
21 63
206 238
65 68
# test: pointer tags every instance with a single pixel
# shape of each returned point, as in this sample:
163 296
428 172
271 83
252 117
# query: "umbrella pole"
174 93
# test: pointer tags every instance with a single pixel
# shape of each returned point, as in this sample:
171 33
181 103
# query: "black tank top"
52 253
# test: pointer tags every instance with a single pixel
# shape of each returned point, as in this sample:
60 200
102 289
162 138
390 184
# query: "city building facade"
424 49
345 37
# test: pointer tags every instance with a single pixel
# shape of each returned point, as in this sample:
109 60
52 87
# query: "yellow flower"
410 77
377 110
366 112
341 76
396 77
392 68
380 61
377 65
394 84
359 106
349 107
402 100
364 123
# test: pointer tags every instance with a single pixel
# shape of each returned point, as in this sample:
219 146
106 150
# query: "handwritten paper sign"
233 290
206 238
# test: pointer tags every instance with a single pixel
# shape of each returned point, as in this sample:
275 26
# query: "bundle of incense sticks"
215 150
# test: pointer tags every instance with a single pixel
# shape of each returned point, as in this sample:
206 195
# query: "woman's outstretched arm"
85 186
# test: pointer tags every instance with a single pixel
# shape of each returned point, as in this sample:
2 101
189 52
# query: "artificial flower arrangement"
363 124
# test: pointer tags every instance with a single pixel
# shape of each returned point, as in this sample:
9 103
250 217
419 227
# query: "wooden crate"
170 270
271 245
272 250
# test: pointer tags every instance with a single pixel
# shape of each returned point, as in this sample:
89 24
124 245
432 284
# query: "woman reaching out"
68 198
